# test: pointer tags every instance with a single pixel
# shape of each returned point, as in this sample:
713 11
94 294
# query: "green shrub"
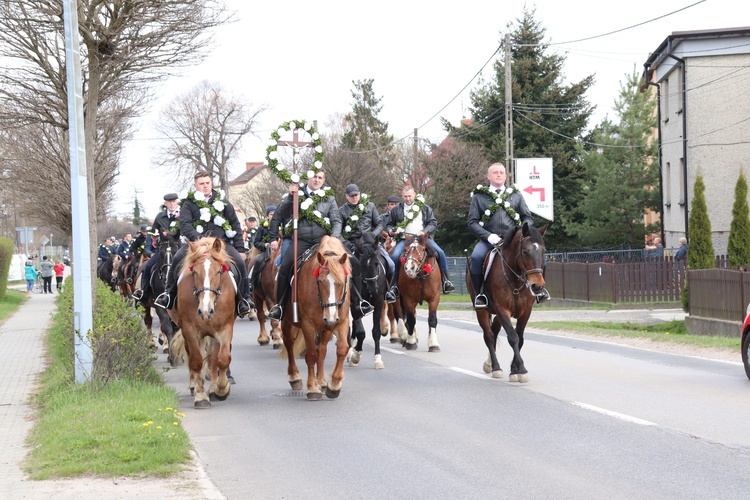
6 256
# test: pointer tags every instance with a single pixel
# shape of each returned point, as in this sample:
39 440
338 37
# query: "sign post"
534 180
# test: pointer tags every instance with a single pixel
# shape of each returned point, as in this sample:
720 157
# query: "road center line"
621 416
469 372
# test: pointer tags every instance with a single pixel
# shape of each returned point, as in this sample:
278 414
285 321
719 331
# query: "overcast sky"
300 59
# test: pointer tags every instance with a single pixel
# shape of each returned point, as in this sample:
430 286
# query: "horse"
418 281
513 276
205 312
264 296
373 291
388 321
109 270
323 287
168 246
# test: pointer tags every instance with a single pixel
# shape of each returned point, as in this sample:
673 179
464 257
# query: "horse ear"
218 245
321 259
342 259
525 229
543 229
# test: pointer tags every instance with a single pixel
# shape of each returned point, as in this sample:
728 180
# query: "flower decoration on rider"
272 153
500 202
353 220
415 209
209 211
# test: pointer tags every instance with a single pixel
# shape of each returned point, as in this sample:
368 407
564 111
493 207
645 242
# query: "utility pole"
416 156
508 112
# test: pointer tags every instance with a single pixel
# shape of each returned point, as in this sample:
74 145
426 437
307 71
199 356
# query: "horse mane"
332 249
197 249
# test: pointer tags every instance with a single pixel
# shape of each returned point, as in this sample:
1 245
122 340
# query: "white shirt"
415 226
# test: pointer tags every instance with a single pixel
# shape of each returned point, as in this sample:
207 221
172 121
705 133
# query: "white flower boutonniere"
353 220
409 214
209 212
307 212
500 202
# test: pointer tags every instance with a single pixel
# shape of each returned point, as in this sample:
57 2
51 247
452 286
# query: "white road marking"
621 416
469 372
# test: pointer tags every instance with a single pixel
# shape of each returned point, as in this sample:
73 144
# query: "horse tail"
177 348
298 346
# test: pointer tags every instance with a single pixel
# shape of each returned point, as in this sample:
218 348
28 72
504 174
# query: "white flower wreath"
409 214
272 153
209 211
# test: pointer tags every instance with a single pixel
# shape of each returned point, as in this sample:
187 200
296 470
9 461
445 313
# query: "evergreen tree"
136 211
700 251
620 175
548 116
738 247
364 130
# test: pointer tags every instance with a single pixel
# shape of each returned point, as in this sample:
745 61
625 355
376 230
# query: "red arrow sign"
532 189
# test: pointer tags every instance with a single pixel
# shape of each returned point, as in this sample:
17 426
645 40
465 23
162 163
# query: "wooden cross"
296 144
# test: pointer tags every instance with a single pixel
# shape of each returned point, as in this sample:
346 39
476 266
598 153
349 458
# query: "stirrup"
243 307
480 301
448 287
394 291
390 298
163 300
137 294
276 312
542 296
365 307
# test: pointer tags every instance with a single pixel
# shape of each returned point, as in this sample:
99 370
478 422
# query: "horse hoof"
277 346
165 349
379 362
410 347
487 367
263 342
523 378
395 340
354 357
220 397
202 404
330 394
314 396
513 377
435 348
296 385
498 374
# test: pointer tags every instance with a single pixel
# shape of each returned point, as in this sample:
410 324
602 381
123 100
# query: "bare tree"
126 46
205 127
253 199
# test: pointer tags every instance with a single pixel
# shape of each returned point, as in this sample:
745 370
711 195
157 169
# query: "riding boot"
390 295
253 275
542 296
447 285
167 298
393 283
282 292
480 300
360 308
245 301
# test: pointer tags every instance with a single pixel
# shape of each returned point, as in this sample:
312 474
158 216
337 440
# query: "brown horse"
388 321
323 299
419 281
264 296
515 274
206 314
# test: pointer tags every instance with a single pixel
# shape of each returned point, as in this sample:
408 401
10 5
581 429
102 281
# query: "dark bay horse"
168 246
373 291
109 271
419 281
323 300
264 296
206 314
514 275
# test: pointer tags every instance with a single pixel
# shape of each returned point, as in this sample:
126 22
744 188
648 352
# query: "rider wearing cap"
167 220
353 229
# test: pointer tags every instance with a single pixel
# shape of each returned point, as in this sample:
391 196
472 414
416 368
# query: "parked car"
745 334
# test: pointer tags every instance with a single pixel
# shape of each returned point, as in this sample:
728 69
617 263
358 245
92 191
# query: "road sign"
534 180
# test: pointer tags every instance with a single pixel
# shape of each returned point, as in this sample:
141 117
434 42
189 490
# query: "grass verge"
125 427
12 301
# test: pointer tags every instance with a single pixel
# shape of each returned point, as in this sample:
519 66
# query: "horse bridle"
320 295
421 262
523 278
216 291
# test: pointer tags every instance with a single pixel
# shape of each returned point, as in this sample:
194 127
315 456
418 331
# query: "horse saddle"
302 259
488 259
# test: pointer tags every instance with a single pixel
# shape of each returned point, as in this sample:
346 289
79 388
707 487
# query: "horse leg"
311 358
377 317
320 370
512 335
223 357
384 320
410 341
490 332
518 372
276 334
195 365
432 342
337 375
358 334
263 338
292 371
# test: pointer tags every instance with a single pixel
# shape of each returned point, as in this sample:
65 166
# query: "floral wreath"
272 154
306 210
500 201
353 220
409 214
209 212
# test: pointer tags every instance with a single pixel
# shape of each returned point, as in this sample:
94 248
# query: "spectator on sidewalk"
31 275
59 270
47 271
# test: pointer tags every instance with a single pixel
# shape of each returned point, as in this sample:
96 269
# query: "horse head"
527 248
332 279
206 261
414 258
372 267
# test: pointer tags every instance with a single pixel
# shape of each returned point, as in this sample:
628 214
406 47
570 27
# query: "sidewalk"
22 356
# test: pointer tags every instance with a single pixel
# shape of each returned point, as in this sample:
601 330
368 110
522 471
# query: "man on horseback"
262 241
105 250
203 202
358 218
311 229
413 216
488 228
167 220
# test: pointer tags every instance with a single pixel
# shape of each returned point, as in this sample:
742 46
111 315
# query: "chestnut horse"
323 300
264 296
205 312
514 275
419 281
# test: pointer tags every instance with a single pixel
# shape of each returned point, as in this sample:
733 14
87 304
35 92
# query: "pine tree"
700 250
548 115
364 130
620 174
136 211
738 247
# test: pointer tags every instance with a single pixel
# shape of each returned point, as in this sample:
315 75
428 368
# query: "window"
681 177
668 185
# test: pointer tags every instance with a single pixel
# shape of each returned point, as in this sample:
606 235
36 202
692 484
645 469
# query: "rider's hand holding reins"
494 239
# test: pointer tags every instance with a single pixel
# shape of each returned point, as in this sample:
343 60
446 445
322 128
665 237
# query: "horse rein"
519 277
414 245
216 291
